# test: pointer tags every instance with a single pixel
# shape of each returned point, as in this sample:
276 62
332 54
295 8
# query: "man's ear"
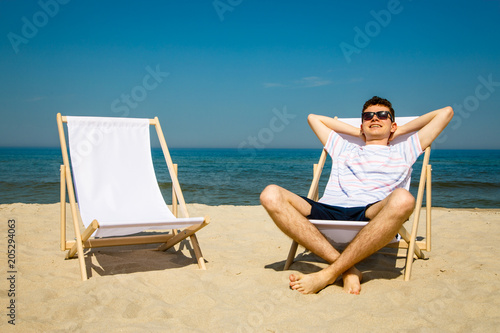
394 127
361 133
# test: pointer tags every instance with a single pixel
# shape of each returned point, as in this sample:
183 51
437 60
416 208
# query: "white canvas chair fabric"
114 183
114 177
343 232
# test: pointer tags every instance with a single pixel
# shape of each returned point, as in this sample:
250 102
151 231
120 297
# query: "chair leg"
409 263
78 247
63 207
291 255
197 252
185 233
428 208
413 248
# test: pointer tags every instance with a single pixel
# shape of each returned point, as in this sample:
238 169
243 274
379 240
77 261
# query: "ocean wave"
42 192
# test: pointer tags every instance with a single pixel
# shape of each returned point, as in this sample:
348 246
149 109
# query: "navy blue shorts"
321 211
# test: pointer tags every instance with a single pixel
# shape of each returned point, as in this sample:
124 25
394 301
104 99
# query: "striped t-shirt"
362 175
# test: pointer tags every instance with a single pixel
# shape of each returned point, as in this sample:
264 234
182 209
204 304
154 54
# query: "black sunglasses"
382 115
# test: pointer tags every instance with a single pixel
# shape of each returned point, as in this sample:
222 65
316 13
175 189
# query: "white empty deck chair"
115 186
343 232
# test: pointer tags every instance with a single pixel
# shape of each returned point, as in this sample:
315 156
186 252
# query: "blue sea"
461 178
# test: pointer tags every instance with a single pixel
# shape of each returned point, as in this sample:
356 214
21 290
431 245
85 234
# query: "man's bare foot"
310 283
352 281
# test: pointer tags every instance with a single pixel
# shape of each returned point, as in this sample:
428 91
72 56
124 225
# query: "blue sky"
241 73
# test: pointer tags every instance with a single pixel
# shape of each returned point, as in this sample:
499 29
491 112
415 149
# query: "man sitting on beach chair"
370 188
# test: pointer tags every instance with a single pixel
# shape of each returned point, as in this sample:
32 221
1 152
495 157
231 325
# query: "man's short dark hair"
375 100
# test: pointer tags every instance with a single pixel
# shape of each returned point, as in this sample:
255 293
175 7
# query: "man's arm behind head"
322 126
429 125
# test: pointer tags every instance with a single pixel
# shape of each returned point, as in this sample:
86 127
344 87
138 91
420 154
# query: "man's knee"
403 200
270 196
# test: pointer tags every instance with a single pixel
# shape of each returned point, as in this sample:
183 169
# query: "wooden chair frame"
83 241
409 239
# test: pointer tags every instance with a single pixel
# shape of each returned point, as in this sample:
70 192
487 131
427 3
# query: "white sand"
244 289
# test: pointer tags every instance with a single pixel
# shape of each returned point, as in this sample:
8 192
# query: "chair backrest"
356 122
113 171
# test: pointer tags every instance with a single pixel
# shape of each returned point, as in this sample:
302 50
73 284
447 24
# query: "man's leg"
386 217
289 211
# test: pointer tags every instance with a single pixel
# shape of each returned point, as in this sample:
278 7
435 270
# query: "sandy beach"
136 289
